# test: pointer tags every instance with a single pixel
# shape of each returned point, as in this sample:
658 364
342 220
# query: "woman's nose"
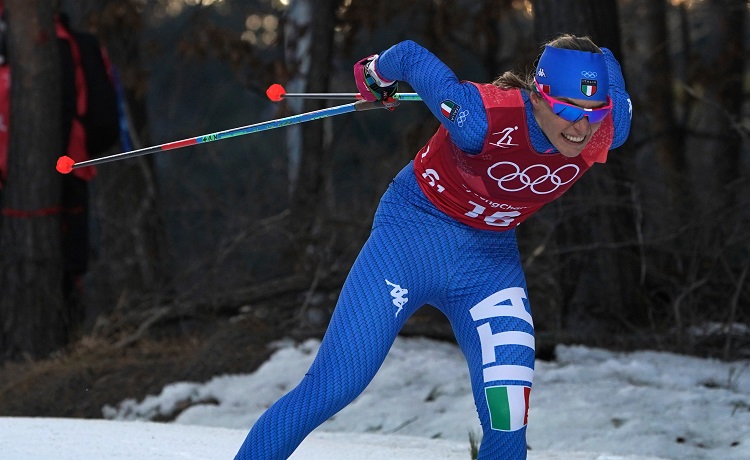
582 125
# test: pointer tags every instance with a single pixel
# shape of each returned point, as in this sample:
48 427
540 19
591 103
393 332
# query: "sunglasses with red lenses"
574 113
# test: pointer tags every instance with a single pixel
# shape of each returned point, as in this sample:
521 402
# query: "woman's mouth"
574 139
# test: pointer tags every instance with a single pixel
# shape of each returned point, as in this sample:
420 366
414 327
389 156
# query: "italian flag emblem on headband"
588 87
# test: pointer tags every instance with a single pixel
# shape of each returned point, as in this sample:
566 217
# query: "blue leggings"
415 256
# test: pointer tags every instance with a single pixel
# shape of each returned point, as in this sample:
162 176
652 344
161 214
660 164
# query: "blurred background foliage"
650 250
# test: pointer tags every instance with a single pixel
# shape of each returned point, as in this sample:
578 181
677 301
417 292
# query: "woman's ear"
535 99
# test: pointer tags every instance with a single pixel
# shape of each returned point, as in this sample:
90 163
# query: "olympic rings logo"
588 74
538 178
461 119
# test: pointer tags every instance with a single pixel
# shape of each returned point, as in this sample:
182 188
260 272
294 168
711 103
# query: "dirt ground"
92 373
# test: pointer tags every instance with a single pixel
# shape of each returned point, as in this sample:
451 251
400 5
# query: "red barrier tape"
44 212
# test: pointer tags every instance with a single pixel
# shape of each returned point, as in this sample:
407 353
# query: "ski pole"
276 92
65 164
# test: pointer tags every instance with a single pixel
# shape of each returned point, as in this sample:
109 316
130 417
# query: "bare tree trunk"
32 315
649 36
658 138
597 19
717 234
309 204
297 42
598 271
716 81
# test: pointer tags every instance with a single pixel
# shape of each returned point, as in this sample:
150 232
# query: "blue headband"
573 74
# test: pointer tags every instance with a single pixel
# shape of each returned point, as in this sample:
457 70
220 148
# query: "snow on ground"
589 404
77 439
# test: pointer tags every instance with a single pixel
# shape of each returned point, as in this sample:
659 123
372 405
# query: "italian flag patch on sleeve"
449 109
509 406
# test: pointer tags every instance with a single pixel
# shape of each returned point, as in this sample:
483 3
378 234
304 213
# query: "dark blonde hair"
511 79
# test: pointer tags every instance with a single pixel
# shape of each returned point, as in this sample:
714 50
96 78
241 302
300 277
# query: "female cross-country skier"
444 232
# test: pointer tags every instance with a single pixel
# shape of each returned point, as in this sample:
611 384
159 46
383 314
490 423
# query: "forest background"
200 257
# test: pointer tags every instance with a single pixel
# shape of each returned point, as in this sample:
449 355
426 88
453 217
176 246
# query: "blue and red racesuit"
444 235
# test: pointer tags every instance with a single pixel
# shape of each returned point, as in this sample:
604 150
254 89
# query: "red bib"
507 181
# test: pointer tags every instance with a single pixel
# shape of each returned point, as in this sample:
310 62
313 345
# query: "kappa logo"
399 296
506 140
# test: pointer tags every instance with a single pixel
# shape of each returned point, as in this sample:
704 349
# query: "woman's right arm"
457 105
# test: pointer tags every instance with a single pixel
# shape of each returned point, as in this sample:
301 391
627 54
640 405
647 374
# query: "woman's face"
569 138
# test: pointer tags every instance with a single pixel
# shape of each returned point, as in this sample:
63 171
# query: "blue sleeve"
622 110
457 105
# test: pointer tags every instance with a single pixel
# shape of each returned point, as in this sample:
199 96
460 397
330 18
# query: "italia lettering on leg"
505 303
507 405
